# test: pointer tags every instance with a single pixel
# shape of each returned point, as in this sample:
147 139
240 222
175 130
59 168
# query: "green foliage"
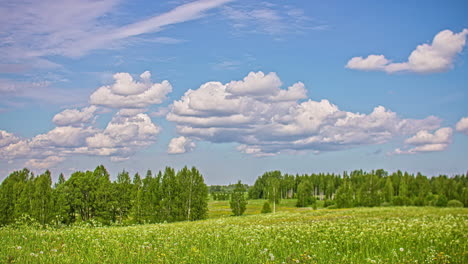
344 195
178 196
221 195
401 201
454 203
42 201
266 208
441 201
238 203
304 194
90 197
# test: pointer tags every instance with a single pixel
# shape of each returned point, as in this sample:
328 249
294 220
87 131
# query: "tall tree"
273 189
123 194
82 195
137 199
388 190
238 203
344 195
42 198
193 195
104 195
61 207
304 194
169 196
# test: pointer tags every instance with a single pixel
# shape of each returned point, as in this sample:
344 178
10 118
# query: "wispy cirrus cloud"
32 30
268 18
16 93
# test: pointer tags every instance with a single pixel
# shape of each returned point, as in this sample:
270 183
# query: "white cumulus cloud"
439 56
70 117
129 130
44 163
274 120
7 138
425 141
128 93
180 145
462 125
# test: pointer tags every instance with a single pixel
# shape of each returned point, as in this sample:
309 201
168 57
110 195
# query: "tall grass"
359 235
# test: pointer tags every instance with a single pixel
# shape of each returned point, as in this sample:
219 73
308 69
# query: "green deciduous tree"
238 203
42 198
304 194
266 208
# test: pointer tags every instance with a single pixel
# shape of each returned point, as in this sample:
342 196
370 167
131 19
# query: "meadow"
292 235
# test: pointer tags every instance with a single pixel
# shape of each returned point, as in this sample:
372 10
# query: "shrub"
333 206
401 201
454 203
327 203
266 208
441 201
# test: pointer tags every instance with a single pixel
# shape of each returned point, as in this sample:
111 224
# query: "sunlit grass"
218 209
359 235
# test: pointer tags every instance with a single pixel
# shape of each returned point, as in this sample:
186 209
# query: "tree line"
223 192
170 196
167 196
360 188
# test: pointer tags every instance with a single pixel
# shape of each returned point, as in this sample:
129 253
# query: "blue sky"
235 88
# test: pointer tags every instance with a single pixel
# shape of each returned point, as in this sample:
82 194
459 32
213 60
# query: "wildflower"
272 257
53 250
18 247
41 252
402 249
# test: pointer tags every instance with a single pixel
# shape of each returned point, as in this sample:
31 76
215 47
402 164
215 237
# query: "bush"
454 203
401 201
327 203
441 201
266 208
333 206
386 204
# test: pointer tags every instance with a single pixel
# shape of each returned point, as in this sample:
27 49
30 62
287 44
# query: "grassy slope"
360 235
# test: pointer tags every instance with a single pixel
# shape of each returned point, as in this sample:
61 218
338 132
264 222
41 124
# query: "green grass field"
358 235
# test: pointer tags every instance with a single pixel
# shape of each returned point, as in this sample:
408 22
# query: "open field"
359 235
217 209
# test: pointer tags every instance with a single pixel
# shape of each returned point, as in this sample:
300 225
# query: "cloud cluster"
266 120
70 117
180 145
7 138
127 93
258 113
438 56
462 125
424 141
129 130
